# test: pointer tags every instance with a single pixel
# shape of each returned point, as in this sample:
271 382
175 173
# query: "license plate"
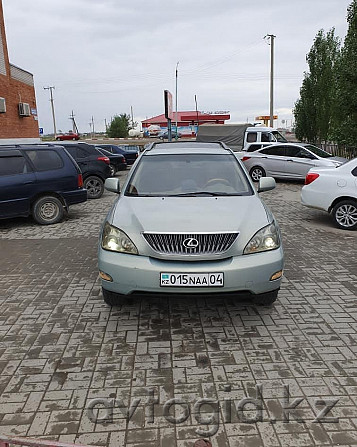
191 280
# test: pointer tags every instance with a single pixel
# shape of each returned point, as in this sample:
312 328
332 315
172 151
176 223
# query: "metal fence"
338 151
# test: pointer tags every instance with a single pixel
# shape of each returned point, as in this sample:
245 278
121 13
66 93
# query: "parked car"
164 134
287 160
117 161
334 191
41 181
189 220
130 153
94 166
67 136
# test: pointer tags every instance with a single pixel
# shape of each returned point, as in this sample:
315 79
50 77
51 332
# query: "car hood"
243 214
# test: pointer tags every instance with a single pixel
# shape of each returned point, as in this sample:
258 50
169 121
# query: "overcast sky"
106 56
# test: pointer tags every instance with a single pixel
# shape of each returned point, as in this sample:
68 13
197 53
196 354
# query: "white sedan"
334 190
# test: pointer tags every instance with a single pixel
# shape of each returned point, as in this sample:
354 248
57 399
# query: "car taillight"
311 176
245 158
80 181
105 159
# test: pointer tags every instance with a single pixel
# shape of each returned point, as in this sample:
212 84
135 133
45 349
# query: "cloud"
104 56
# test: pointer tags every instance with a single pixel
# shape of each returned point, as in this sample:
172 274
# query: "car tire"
94 186
266 299
111 298
344 214
74 139
257 173
48 210
58 139
112 170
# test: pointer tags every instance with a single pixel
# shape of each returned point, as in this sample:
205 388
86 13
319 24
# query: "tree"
120 126
313 111
345 116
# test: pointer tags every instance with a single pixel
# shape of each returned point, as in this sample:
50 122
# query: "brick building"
18 111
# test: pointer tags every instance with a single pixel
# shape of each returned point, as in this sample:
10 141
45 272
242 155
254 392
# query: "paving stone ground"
61 347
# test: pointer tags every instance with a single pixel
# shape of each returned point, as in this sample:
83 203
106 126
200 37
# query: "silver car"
287 160
189 220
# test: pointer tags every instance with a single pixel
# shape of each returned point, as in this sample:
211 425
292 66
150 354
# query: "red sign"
168 105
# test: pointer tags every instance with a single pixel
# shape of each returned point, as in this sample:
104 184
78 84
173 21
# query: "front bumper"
138 274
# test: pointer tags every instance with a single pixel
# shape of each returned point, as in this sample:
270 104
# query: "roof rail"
186 143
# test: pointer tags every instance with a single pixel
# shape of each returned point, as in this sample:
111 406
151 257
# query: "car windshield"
317 151
279 137
188 175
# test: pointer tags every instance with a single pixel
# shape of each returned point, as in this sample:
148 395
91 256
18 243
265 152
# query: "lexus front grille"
190 243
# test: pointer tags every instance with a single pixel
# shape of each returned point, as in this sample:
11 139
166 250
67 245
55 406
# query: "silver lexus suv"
189 220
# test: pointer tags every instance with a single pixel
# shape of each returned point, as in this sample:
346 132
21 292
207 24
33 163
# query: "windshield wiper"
202 193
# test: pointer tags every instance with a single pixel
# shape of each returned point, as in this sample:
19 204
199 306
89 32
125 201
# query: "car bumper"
73 197
314 199
140 274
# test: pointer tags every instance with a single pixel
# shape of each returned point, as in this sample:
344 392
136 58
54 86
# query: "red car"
67 136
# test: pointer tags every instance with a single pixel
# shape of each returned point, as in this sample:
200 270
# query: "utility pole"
271 37
132 117
74 124
176 76
93 127
53 108
196 115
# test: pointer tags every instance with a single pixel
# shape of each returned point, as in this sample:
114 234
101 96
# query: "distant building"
18 110
187 122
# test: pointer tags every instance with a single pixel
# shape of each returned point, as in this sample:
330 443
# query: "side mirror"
266 184
112 184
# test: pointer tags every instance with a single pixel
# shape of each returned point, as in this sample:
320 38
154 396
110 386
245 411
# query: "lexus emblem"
190 242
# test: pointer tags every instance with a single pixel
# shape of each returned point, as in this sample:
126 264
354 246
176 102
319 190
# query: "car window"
13 165
254 147
185 174
266 137
354 172
317 151
72 150
45 160
275 150
251 137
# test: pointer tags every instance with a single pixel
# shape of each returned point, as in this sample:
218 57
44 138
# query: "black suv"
42 181
93 164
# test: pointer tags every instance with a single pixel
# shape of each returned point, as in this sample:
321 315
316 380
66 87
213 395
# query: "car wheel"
257 173
47 210
94 186
58 139
111 298
112 170
266 299
74 139
345 214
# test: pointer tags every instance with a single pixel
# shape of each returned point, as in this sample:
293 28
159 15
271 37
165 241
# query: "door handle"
289 159
29 182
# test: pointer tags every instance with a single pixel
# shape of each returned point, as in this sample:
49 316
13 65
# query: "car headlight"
114 239
266 239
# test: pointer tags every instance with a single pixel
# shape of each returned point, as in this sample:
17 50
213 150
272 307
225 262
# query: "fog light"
105 276
276 275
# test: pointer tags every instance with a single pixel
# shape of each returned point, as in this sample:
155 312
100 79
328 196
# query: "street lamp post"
176 76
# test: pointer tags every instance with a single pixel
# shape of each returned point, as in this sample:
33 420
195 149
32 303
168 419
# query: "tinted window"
276 150
266 137
45 160
13 165
254 147
293 151
81 153
354 172
252 137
